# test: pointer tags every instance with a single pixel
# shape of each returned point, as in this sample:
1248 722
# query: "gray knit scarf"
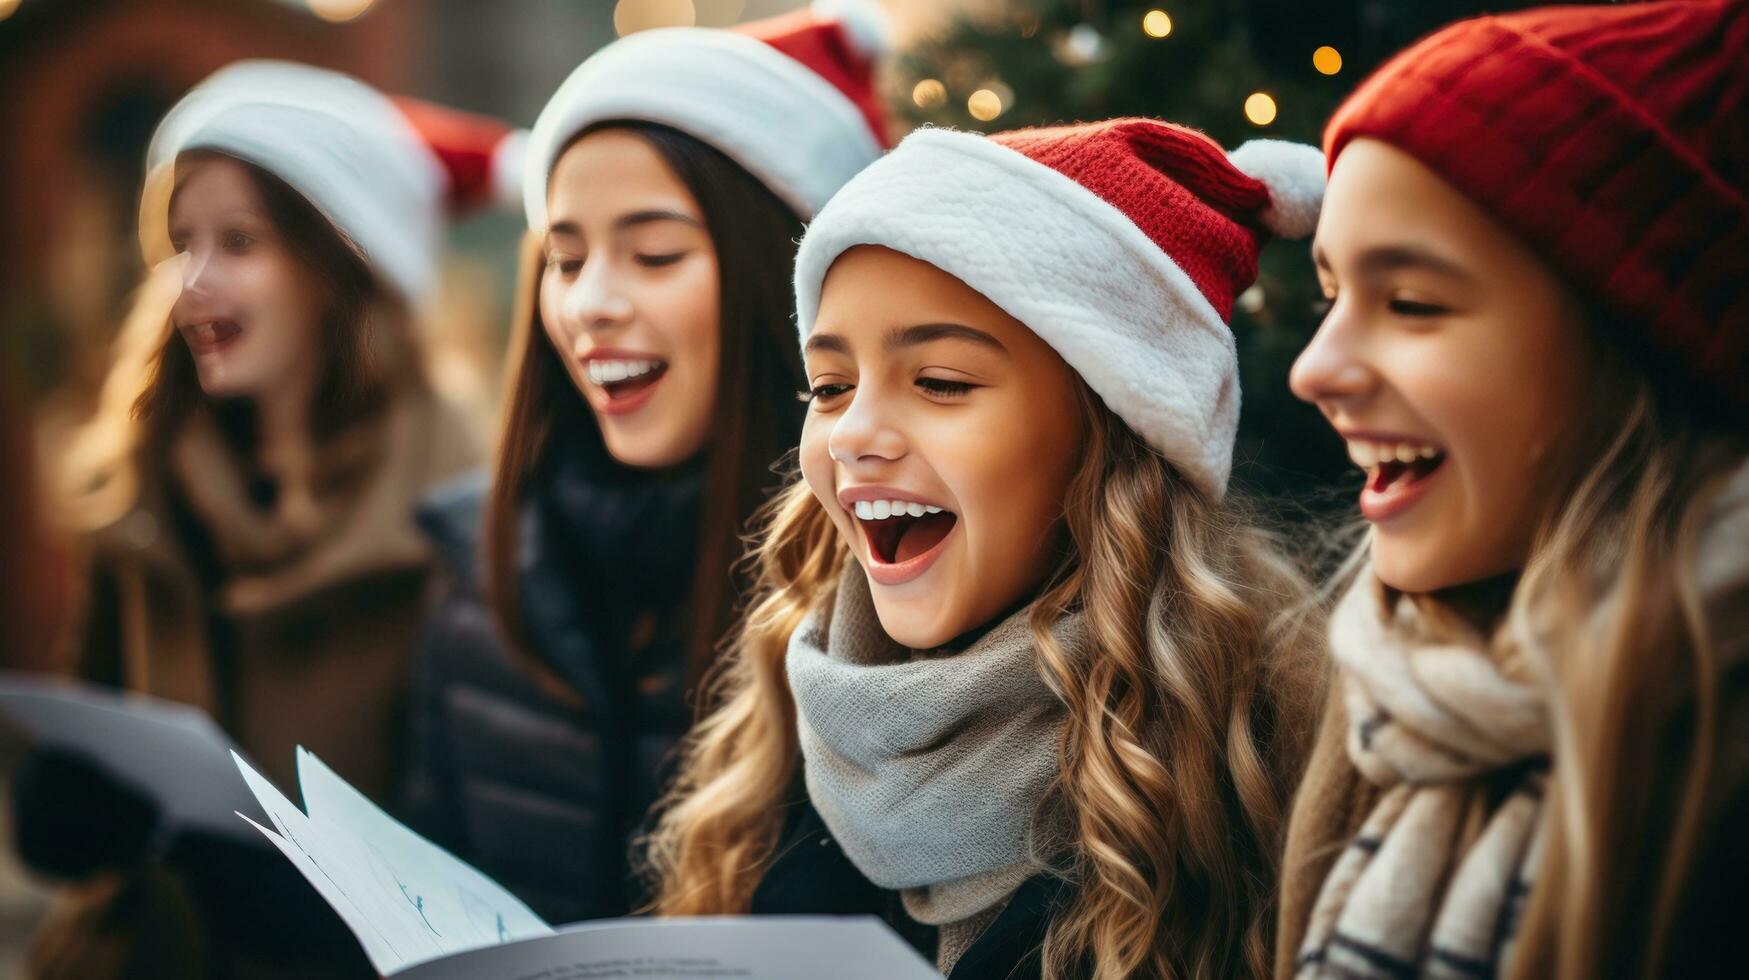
930 769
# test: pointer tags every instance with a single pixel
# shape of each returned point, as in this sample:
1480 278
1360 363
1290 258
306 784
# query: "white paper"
406 899
766 947
172 753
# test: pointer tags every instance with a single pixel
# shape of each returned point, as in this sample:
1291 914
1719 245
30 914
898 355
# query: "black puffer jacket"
811 875
544 790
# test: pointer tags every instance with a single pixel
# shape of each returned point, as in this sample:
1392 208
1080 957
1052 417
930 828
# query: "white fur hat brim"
336 141
771 114
1069 265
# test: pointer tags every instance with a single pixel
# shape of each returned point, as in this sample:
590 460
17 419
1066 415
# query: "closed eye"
1416 308
658 261
819 394
943 388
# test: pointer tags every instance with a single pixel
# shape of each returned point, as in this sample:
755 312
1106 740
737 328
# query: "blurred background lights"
1260 108
632 16
1157 23
984 105
929 94
1327 60
7 7
339 11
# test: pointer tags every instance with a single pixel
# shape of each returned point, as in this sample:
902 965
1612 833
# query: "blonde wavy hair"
1190 713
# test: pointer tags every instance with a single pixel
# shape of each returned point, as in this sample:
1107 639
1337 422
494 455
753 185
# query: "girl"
1032 669
1536 243
651 394
248 481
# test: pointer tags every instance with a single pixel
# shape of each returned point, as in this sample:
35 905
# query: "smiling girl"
1536 246
1017 678
248 484
652 393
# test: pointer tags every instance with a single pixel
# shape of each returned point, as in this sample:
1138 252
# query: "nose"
196 274
1331 370
594 300
864 433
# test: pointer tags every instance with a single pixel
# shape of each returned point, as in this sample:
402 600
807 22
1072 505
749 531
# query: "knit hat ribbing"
1610 139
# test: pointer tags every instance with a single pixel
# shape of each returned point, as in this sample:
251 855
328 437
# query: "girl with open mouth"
248 483
1536 247
653 380
1017 677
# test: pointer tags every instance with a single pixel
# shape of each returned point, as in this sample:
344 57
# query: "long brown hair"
152 386
1610 609
757 417
1190 713
1613 609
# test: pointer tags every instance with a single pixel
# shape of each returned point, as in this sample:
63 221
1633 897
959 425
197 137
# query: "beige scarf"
1434 883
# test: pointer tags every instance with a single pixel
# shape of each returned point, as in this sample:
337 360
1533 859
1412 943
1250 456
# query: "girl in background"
247 487
652 390
1018 678
1534 764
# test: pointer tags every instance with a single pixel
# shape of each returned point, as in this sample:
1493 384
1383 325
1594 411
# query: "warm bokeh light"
632 16
1327 60
7 7
1260 108
1157 23
929 94
984 105
718 13
339 11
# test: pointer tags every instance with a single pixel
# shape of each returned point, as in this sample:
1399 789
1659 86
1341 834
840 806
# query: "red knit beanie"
1613 140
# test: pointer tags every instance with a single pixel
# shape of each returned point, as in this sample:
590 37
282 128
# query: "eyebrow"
1388 258
922 333
625 221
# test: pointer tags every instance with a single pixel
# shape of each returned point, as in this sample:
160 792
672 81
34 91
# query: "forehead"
870 290
610 172
206 184
1381 196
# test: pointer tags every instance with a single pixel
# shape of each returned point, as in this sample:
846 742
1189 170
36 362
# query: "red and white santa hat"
791 98
387 172
1123 244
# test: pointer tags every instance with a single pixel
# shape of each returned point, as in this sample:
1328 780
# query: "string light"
632 16
339 11
929 94
1260 108
1327 60
1157 23
984 105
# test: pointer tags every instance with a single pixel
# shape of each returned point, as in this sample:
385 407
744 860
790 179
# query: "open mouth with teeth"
625 378
901 530
210 336
1391 467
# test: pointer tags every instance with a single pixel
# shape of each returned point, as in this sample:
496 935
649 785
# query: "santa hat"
386 172
791 99
1123 244
1611 140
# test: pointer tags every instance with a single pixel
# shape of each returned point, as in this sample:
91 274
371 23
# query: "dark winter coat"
545 789
811 875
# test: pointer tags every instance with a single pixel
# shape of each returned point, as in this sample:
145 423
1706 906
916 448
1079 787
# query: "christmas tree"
1237 71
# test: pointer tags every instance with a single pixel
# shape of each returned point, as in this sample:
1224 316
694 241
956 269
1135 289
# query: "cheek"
687 310
814 456
1010 466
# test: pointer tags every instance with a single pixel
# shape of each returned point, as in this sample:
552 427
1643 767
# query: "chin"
1406 570
916 629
